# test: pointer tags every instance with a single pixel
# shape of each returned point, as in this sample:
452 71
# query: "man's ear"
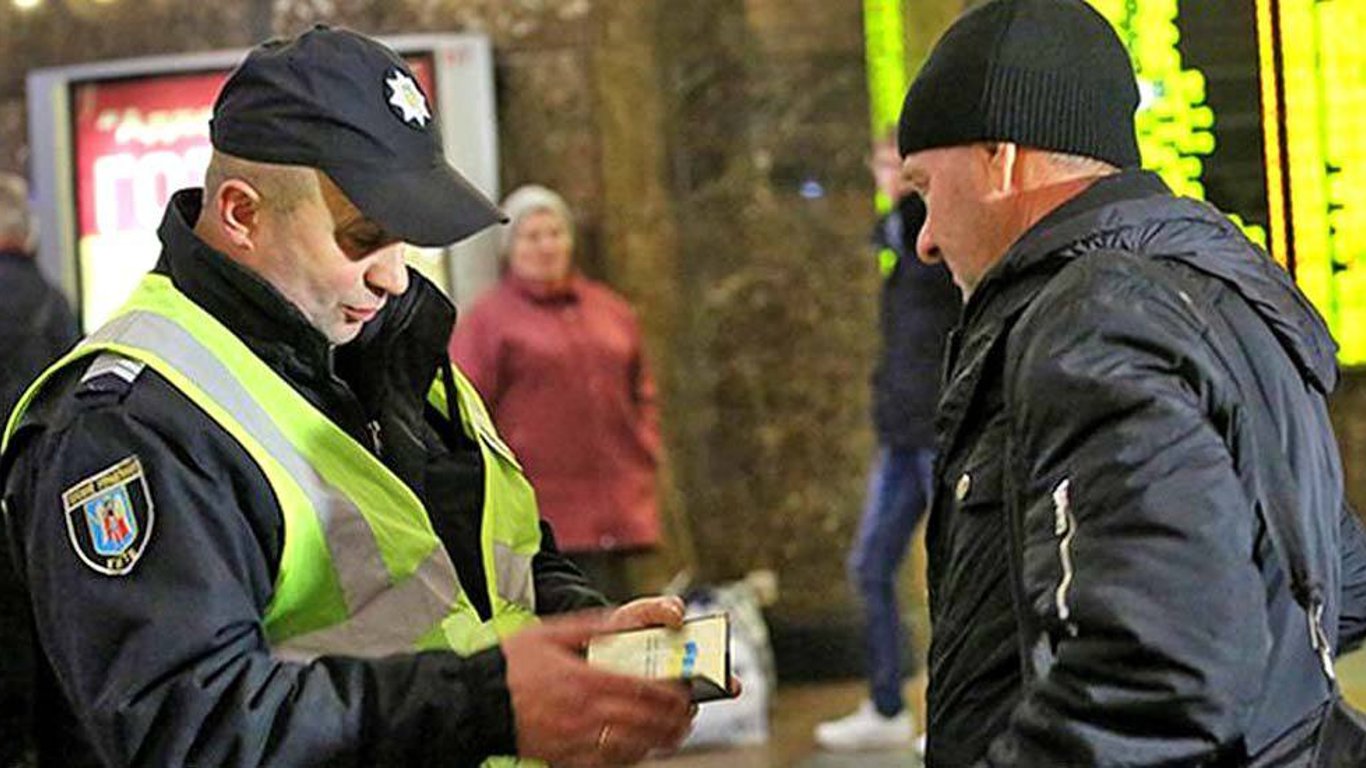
237 212
1002 166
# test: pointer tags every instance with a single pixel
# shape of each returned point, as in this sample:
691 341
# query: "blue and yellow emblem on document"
109 517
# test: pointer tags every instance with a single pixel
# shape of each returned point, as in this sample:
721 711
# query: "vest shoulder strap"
116 365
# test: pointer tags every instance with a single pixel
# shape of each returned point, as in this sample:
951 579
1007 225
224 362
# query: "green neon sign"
1174 121
884 56
1316 139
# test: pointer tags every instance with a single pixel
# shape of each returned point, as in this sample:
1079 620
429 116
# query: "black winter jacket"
36 326
169 664
919 306
1102 588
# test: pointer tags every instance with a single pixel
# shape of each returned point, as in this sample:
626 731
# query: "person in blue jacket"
919 306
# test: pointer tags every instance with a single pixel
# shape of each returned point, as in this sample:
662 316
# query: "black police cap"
338 101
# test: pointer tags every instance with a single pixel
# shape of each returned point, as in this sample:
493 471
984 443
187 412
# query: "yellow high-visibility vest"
362 572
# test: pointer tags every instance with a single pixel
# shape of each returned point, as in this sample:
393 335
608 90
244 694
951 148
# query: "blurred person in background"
557 357
36 324
36 327
919 306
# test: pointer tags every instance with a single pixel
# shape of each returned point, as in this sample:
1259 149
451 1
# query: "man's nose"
925 248
389 273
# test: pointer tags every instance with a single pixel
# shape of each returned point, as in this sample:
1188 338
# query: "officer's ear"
237 212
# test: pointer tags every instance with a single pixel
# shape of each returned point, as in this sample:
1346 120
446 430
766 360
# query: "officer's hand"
658 612
647 612
568 713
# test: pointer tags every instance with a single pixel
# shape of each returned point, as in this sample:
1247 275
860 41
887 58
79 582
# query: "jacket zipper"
347 399
1014 524
375 440
1065 528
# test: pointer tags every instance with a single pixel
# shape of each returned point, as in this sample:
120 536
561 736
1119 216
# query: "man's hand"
657 612
647 612
570 714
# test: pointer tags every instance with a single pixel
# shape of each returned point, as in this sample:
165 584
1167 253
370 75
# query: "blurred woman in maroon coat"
557 358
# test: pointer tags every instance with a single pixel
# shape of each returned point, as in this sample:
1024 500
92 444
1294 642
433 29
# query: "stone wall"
768 140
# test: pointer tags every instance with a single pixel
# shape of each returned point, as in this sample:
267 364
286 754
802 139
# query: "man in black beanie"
1132 383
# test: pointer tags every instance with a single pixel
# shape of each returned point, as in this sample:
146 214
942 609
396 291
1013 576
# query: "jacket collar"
18 259
238 298
1131 211
1060 235
1009 286
541 292
1135 211
397 354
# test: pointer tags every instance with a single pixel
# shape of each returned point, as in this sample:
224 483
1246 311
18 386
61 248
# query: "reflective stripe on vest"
362 572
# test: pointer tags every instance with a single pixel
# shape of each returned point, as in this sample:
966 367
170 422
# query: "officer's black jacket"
168 665
1102 589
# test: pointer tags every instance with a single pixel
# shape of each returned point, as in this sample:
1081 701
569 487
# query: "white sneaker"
866 729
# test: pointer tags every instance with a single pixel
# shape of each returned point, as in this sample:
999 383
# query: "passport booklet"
698 654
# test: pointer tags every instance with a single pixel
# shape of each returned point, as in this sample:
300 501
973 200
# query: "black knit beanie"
1049 74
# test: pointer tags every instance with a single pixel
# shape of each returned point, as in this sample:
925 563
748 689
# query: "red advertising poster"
138 140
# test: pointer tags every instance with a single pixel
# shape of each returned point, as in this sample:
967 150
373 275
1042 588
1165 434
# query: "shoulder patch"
109 517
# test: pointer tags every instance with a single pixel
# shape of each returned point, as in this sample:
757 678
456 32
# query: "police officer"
258 516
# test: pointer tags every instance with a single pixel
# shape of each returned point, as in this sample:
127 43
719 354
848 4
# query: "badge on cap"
109 517
407 99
